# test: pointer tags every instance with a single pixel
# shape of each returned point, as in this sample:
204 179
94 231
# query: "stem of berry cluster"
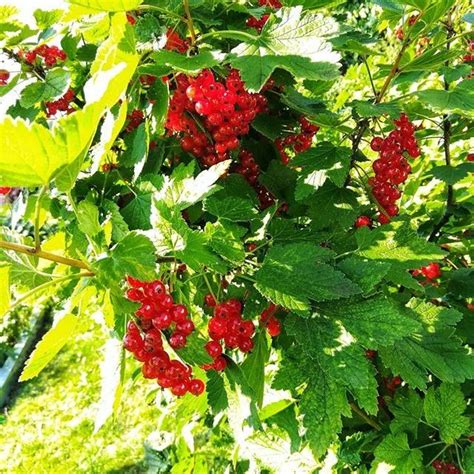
189 21
37 218
446 146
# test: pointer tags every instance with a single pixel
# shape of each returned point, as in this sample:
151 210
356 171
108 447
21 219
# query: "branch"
45 255
365 417
446 146
189 21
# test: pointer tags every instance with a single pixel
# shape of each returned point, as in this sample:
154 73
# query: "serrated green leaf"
236 201
365 273
194 353
88 217
225 238
46 18
108 5
395 455
254 364
216 394
51 343
295 274
458 100
368 109
134 255
461 282
434 317
374 322
325 161
286 33
442 354
452 174
407 411
54 86
444 407
137 212
187 64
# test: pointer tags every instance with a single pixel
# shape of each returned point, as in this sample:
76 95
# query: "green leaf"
469 452
458 100
171 235
111 378
194 353
434 317
187 64
373 322
58 153
108 5
4 289
134 255
441 353
444 407
88 217
395 455
268 125
51 343
325 161
294 274
225 238
461 282
368 109
332 206
254 364
407 411
452 174
366 273
399 245
46 18
137 212
236 201
292 42
55 85
216 394
182 192
431 60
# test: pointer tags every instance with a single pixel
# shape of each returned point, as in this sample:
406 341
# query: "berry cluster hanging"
49 56
297 142
259 23
63 104
392 168
144 339
212 115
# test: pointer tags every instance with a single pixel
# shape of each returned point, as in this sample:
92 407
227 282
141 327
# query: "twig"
447 153
365 417
37 218
189 21
42 254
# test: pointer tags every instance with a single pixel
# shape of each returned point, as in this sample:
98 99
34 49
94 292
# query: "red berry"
219 364
245 344
273 327
214 349
363 221
251 247
186 327
179 389
431 271
135 295
162 321
179 313
209 300
177 340
470 157
196 387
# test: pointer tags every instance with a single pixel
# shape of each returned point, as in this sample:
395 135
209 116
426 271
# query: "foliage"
228 149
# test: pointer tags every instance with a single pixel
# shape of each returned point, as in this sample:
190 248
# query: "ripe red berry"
196 387
179 313
245 344
273 327
177 340
219 364
4 76
470 157
135 295
186 327
431 271
376 143
180 388
214 349
363 221
251 247
209 300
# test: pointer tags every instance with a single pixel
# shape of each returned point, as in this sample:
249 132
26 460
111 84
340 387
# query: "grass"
49 425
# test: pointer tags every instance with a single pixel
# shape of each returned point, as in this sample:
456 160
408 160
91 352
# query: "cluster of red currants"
174 42
50 55
297 142
269 320
445 467
259 23
228 326
61 105
469 57
135 118
391 168
4 190
157 313
4 76
431 272
225 110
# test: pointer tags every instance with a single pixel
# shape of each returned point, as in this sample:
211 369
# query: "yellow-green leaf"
108 5
51 343
4 289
